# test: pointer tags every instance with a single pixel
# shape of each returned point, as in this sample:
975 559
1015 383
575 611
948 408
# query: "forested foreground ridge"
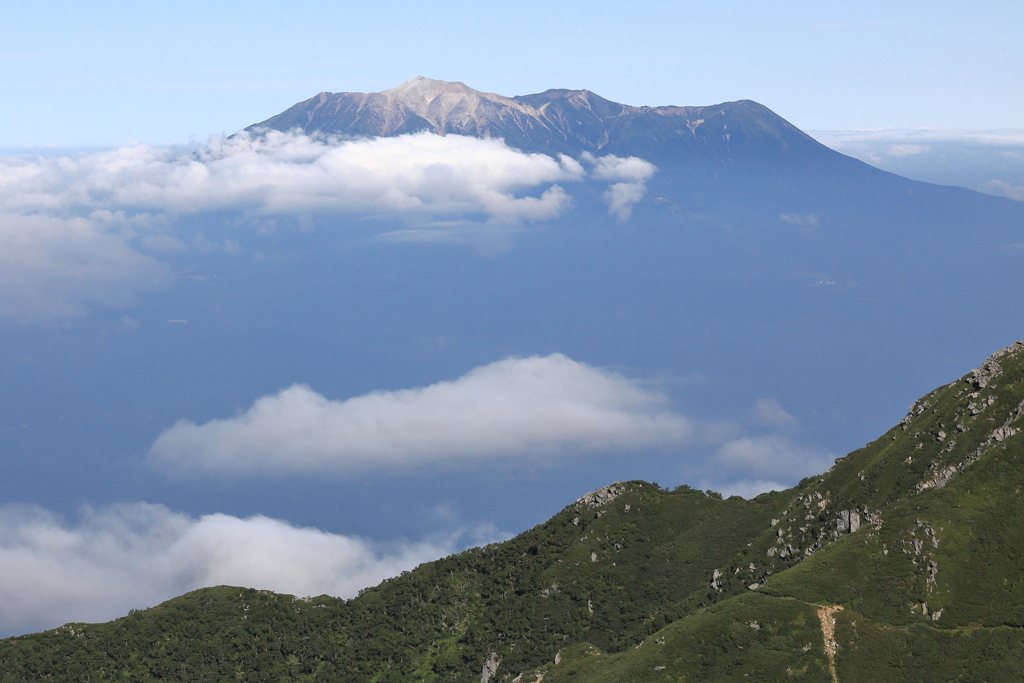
903 562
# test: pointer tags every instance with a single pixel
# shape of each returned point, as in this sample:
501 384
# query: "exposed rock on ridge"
603 495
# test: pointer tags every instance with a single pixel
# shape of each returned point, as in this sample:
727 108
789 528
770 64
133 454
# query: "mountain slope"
907 557
556 121
902 562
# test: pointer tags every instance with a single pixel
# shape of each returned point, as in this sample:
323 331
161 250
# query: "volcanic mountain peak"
425 90
556 121
448 106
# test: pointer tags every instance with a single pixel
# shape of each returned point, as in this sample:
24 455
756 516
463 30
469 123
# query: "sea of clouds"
133 555
97 229
89 229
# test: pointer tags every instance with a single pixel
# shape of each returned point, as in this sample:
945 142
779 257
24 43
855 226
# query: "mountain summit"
555 121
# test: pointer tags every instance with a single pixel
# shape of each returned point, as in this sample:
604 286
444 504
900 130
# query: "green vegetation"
902 563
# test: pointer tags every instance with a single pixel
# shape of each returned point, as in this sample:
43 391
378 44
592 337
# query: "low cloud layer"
82 230
754 463
549 405
285 173
136 555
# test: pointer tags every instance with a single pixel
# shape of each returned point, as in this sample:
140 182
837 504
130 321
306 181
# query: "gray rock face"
490 667
848 522
1004 432
939 478
552 122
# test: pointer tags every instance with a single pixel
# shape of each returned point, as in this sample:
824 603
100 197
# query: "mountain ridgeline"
903 562
557 121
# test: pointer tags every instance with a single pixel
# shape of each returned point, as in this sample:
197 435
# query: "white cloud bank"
286 173
136 555
549 405
114 206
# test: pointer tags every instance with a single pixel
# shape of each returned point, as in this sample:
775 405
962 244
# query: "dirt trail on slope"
826 615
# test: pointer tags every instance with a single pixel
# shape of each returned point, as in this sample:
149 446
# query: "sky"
307 365
107 73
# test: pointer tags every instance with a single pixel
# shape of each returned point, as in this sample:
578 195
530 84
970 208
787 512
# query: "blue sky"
113 72
307 365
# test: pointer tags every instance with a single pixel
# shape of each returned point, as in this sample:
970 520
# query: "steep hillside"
901 563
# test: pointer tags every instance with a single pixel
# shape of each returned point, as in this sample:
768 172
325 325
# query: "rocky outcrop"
490 668
602 496
992 368
848 522
981 410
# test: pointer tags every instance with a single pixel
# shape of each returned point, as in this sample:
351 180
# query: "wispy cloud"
136 555
990 161
774 456
769 412
810 220
838 138
53 270
1004 189
748 463
857 24
628 178
518 407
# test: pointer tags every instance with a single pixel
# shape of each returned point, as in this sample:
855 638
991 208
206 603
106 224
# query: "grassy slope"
930 586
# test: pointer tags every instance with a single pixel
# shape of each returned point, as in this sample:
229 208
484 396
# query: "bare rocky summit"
555 121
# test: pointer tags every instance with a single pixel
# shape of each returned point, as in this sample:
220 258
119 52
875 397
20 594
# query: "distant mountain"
556 121
903 562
